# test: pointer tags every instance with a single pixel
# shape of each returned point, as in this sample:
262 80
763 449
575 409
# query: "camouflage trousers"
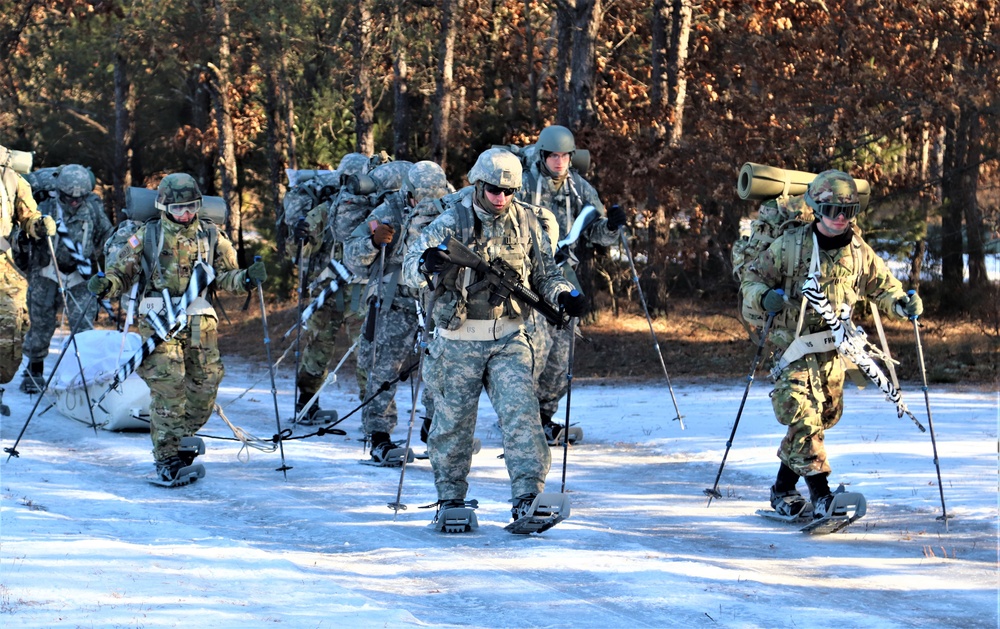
318 341
14 320
552 382
808 398
455 373
44 302
395 335
183 375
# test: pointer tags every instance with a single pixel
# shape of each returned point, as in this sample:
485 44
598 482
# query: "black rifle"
505 282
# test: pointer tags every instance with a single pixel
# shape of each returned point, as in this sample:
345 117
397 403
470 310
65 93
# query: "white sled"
99 353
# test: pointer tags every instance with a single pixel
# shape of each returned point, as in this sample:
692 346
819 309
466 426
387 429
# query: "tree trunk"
975 248
587 17
124 106
529 53
364 114
443 90
564 51
288 102
953 199
659 87
275 131
224 124
677 54
400 85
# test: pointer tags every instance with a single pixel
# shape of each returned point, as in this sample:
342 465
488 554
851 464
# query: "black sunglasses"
833 210
507 192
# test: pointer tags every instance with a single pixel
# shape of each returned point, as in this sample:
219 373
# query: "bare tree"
224 123
400 86
364 113
124 130
444 78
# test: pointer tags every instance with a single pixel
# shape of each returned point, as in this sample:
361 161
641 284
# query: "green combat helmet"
424 180
74 181
499 167
556 139
833 192
179 196
352 164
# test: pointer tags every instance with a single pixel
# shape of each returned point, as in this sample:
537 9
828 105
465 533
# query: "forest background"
670 97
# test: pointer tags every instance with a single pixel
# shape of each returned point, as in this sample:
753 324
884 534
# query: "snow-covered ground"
87 542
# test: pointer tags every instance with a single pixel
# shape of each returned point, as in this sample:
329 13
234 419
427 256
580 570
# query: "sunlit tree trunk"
364 114
224 123
444 83
400 85
124 106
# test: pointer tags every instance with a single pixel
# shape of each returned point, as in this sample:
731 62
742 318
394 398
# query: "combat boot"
33 380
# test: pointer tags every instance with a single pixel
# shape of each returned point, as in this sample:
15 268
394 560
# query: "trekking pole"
421 345
12 451
373 326
645 309
569 396
930 421
298 332
270 367
331 378
72 331
714 491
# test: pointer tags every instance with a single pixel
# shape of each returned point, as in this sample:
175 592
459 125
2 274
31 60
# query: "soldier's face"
497 197
833 226
558 163
71 202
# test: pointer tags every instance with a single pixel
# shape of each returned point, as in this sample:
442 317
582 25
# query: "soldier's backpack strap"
152 243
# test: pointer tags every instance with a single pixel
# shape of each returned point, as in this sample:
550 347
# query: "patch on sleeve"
133 241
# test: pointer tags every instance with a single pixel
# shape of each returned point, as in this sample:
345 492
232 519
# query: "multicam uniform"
565 198
459 364
397 328
184 372
82 231
809 393
16 207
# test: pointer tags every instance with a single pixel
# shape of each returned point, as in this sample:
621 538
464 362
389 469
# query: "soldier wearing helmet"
82 229
322 234
808 395
184 370
478 344
391 228
17 209
551 182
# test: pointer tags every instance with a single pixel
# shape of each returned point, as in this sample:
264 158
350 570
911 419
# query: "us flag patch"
133 241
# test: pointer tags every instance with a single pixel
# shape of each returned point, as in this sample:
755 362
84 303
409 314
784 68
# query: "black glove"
435 259
301 231
257 272
573 302
773 300
99 285
910 306
616 217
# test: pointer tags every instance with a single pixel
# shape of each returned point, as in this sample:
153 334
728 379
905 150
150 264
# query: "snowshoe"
477 445
554 433
171 472
456 516
788 506
389 454
190 449
835 512
315 416
537 513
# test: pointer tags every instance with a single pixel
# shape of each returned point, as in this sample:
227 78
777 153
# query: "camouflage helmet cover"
497 166
177 188
556 139
74 180
832 187
352 164
389 176
424 180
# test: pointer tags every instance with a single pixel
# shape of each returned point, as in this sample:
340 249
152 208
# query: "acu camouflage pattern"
497 166
397 330
17 207
808 394
457 371
74 180
183 374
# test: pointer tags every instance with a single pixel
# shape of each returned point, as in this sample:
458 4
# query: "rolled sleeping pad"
140 205
758 182
21 161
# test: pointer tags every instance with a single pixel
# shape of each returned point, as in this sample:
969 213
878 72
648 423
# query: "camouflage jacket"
514 236
87 226
565 200
17 206
182 247
847 275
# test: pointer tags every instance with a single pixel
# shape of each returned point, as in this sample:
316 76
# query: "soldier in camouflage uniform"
323 232
82 228
477 344
184 371
396 224
809 392
553 184
17 208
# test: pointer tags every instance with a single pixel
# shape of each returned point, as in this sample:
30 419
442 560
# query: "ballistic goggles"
68 199
833 210
507 192
178 210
